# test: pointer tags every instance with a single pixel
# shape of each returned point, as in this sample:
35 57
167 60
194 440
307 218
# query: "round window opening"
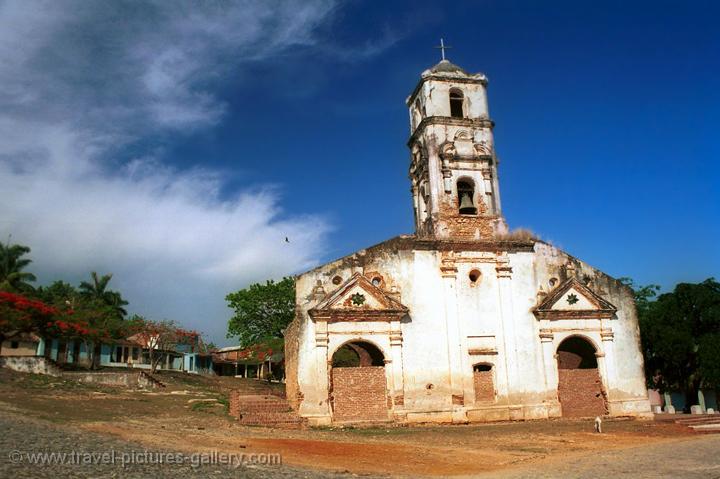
474 276
552 282
377 281
337 280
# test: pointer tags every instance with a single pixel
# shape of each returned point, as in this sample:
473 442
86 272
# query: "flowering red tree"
19 314
160 337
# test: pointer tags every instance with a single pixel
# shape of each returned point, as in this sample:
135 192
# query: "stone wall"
122 379
31 364
359 394
484 386
23 348
580 393
292 389
466 227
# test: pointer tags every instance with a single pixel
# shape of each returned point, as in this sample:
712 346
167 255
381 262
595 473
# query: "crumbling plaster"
448 312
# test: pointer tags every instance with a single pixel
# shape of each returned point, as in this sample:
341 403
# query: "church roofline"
413 242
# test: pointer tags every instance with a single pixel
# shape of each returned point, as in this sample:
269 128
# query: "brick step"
272 420
706 427
698 423
270 417
261 402
690 423
264 410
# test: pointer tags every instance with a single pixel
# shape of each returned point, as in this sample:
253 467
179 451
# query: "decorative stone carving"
592 306
483 148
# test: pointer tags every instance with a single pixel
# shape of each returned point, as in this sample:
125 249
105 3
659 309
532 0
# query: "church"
462 321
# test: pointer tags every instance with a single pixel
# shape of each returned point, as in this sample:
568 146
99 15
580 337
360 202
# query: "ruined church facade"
461 321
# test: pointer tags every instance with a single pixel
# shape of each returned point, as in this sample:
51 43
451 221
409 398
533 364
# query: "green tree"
12 264
262 311
59 294
98 291
102 321
160 338
644 295
680 334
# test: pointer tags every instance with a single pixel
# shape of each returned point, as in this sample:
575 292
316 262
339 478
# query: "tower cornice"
451 121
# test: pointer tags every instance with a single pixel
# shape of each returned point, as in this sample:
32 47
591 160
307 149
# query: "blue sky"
176 145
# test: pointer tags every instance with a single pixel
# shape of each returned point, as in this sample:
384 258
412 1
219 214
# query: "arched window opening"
466 193
483 382
474 276
456 104
576 353
358 354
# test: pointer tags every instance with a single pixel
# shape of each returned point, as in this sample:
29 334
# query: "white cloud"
80 81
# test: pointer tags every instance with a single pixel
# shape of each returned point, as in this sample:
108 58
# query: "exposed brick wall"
484 386
292 346
262 410
463 226
359 394
568 360
580 393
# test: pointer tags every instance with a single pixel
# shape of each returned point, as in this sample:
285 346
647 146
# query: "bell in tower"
453 168
465 192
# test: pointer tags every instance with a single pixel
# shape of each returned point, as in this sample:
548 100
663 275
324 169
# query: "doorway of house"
579 386
62 352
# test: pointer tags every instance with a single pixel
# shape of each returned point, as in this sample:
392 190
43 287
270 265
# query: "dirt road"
179 418
690 458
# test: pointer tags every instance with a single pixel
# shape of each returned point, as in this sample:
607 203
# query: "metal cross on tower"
442 48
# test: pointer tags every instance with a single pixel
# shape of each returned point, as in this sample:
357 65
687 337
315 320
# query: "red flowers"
20 313
21 303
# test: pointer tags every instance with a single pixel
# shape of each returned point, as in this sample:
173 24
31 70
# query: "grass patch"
215 407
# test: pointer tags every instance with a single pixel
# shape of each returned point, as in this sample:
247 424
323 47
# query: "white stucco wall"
453 324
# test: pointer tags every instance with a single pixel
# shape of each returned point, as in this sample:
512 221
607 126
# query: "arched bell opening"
466 197
457 100
580 390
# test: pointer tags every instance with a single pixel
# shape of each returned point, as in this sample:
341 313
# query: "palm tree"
97 291
12 263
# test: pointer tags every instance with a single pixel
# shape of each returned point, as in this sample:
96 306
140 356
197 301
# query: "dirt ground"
169 418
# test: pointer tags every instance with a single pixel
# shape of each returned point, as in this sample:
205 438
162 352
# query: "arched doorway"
579 386
358 385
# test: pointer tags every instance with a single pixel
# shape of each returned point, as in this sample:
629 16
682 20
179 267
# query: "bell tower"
453 166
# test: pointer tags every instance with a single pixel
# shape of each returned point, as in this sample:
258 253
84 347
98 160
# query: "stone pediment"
574 300
358 300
